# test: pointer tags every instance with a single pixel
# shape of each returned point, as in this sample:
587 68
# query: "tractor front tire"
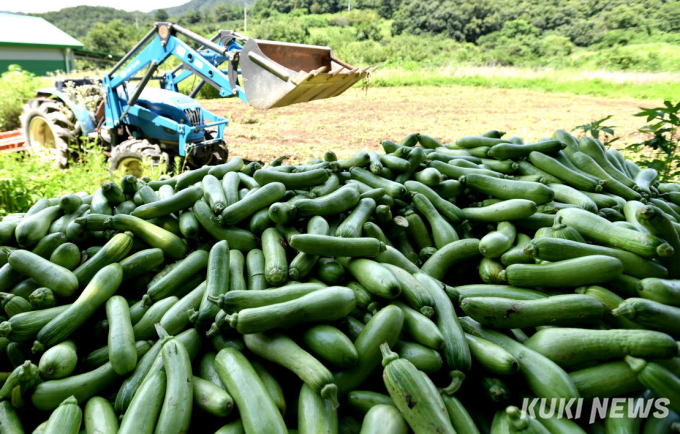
128 157
48 124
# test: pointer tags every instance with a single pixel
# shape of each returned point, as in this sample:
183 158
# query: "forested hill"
78 21
467 20
203 4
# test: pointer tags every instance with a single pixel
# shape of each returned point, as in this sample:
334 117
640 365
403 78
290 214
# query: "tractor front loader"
134 122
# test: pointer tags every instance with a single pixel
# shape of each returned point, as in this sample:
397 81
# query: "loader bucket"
277 74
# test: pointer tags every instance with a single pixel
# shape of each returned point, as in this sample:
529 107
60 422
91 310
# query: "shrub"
276 30
16 87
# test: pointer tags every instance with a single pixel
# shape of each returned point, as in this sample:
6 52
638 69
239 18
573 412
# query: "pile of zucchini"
429 289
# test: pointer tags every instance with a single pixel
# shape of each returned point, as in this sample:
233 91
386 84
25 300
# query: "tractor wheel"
49 124
218 157
128 157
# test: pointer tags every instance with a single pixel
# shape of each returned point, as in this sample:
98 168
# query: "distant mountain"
202 4
78 20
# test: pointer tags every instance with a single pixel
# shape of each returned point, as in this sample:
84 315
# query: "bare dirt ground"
358 121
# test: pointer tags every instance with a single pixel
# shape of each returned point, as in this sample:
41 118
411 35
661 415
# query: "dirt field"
358 121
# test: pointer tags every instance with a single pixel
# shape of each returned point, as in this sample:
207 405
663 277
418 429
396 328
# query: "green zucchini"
154 236
504 151
591 167
46 273
177 202
100 417
66 418
596 151
393 189
271 385
169 284
216 284
177 406
41 298
384 418
48 244
235 301
275 262
375 277
449 210
591 270
351 226
661 290
210 398
49 394
237 262
263 197
59 361
292 181
555 249
450 255
442 232
363 400
122 349
330 345
508 189
491 356
571 346
316 244
66 255
384 326
574 178
599 229
329 271
658 379
255 270
113 251
237 238
508 210
145 407
282 212
423 358
494 244
606 380
101 355
14 304
31 229
233 165
282 350
102 286
360 159
230 184
145 327
555 310
458 293
9 419
331 184
455 349
475 141
544 377
407 385
257 409
611 301
213 194
25 326
651 314
326 304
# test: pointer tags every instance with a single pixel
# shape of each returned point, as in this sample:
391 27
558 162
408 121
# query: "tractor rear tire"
128 157
49 124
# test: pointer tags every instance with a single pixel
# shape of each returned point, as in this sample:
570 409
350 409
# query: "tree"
161 15
192 16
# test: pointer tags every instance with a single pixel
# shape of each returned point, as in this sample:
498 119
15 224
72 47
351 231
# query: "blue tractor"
134 122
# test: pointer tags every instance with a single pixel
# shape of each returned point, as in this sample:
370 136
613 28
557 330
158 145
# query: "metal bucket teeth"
277 74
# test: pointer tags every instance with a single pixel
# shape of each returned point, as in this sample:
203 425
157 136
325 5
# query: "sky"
35 6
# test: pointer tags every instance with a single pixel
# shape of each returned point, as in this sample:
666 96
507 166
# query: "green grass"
595 87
